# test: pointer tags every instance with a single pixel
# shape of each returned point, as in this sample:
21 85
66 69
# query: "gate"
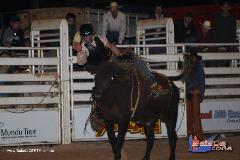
34 89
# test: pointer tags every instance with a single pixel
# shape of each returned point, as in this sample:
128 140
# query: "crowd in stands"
220 29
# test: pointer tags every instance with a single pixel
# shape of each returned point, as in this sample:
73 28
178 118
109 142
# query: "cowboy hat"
114 4
206 24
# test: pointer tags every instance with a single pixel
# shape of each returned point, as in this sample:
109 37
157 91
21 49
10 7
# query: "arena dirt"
133 150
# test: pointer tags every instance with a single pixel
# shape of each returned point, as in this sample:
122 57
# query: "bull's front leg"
149 132
111 135
122 130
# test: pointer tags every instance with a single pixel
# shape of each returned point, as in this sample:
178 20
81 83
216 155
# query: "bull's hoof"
172 158
117 157
145 158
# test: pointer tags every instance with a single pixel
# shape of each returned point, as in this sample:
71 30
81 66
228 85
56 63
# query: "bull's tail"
176 78
86 124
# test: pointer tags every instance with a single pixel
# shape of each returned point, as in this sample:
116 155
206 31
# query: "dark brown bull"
117 91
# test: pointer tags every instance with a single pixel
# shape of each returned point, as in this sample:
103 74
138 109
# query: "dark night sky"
13 5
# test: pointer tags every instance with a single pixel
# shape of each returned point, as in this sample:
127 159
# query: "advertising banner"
221 115
81 113
36 126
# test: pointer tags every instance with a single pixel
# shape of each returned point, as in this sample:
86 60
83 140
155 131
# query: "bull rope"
133 109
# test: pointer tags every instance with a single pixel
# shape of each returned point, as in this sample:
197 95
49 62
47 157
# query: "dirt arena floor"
133 150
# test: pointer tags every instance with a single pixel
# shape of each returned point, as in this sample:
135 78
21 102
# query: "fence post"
65 97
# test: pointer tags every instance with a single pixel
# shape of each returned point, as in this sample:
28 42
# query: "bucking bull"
121 94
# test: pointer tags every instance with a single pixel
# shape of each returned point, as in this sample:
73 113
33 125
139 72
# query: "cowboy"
114 24
93 49
195 83
205 35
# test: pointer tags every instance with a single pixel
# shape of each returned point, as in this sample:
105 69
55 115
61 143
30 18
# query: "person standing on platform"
114 24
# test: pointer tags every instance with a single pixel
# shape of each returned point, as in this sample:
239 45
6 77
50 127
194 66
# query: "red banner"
133 128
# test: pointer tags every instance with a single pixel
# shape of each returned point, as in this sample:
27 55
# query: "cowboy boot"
156 90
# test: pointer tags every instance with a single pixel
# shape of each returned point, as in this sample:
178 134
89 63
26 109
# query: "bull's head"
107 74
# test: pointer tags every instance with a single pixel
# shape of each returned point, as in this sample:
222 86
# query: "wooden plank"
220 56
143 24
86 75
156 58
152 33
27 88
47 41
34 108
222 91
28 77
222 81
83 86
29 61
175 57
168 72
152 39
182 95
82 97
163 57
46 24
82 75
44 35
28 100
87 96
221 70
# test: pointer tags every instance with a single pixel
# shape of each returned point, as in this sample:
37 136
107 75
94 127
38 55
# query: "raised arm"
82 53
115 51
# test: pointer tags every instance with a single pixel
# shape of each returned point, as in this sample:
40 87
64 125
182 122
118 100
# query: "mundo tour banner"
29 127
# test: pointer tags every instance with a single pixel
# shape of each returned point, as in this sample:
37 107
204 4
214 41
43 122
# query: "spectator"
195 83
13 36
185 30
156 34
71 20
205 35
158 12
114 24
224 26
